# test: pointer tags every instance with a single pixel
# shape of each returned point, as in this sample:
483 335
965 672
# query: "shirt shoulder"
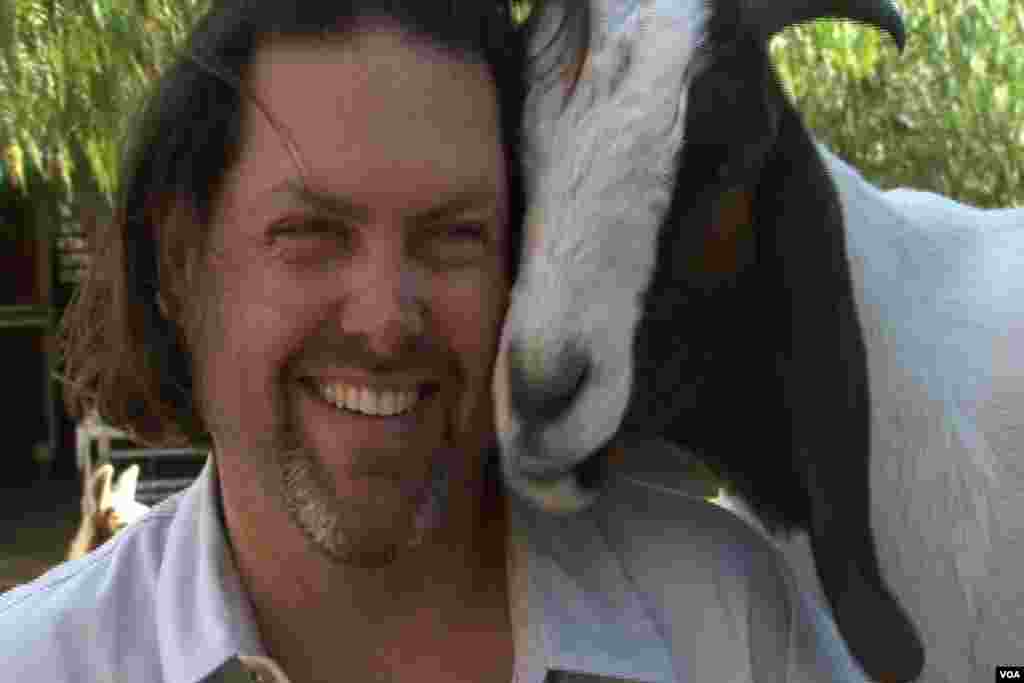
84 619
665 534
728 601
652 509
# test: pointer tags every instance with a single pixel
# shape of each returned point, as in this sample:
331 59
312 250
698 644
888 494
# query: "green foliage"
947 115
520 10
71 74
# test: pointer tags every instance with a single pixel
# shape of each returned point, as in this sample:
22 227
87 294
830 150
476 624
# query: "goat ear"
731 128
872 622
100 488
825 385
728 244
126 484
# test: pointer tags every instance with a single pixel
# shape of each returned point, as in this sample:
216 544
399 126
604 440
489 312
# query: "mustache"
413 354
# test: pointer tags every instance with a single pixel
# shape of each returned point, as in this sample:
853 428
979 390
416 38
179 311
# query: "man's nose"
386 305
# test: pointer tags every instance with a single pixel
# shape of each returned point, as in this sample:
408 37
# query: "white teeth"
405 400
388 403
369 401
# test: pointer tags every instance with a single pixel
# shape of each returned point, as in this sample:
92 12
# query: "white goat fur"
940 292
939 289
108 504
616 140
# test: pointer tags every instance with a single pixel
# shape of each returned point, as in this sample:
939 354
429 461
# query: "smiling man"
345 355
344 359
316 236
309 273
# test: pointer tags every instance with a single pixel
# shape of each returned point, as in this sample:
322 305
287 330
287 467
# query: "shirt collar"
203 612
573 607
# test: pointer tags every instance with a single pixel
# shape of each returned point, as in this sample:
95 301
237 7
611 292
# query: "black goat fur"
775 386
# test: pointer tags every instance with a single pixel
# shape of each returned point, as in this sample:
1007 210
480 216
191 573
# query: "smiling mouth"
364 401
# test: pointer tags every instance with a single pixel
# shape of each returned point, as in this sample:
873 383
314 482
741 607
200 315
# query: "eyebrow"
477 197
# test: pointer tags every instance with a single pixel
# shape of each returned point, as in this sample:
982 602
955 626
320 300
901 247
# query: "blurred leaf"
8 31
74 70
946 115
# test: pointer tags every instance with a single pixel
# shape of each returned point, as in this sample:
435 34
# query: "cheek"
471 317
252 328
472 314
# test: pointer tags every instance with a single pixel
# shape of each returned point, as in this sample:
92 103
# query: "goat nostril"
545 395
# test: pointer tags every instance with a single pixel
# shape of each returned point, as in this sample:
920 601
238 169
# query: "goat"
696 267
108 505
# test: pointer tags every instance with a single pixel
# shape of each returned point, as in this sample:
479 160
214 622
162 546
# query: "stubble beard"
346 532
350 532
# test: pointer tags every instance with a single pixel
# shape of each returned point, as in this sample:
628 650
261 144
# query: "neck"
437 608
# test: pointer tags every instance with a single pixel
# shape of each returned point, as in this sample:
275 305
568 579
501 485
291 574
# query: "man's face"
378 286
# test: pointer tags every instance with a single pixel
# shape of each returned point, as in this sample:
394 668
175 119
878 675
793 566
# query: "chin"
368 521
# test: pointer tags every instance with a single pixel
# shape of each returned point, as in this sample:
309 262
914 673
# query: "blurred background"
947 115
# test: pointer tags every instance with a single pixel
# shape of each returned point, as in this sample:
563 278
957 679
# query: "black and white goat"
696 267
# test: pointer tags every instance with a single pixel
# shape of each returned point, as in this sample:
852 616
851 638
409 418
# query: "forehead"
372 109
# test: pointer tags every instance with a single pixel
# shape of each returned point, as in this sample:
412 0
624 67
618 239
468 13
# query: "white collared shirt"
649 585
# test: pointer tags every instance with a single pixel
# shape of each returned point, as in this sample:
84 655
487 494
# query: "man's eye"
466 231
309 242
459 244
317 227
465 237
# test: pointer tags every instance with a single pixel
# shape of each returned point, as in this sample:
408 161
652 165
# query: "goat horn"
768 17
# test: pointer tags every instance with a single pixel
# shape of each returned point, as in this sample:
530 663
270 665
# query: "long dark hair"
126 334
